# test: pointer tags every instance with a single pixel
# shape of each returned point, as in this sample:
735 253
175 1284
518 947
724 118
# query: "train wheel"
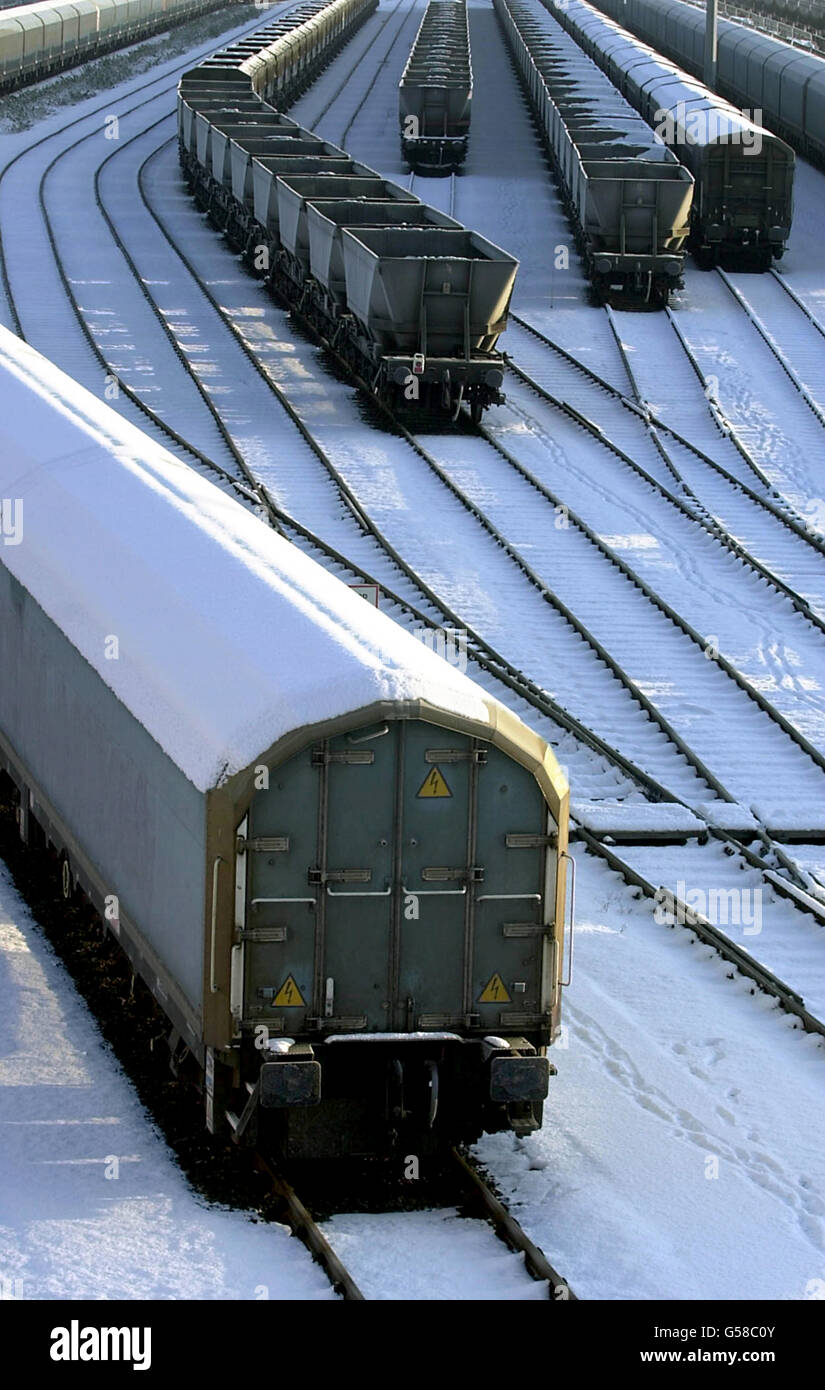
476 412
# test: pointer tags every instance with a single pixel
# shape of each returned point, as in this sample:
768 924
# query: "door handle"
375 893
508 897
435 892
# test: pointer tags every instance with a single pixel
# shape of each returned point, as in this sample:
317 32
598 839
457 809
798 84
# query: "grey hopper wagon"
266 172
633 209
627 195
326 223
295 194
246 148
224 132
744 173
338 865
207 102
257 180
436 91
215 127
428 290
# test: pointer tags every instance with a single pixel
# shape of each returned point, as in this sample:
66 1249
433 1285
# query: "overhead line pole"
711 40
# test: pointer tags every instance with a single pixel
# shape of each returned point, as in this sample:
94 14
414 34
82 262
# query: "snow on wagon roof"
229 637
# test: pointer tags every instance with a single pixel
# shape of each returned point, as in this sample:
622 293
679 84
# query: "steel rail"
725 664
306 1228
727 428
789 1000
798 300
787 367
776 504
698 514
508 1230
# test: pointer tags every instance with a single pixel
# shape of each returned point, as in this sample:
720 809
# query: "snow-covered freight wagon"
37 40
425 347
338 865
627 195
435 93
743 203
756 70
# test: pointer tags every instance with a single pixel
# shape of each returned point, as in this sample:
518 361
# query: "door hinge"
352 756
455 755
264 934
264 844
520 929
517 841
437 874
321 876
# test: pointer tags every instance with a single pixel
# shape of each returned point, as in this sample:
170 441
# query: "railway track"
626 440
715 501
792 547
755 527
597 618
805 947
775 430
760 302
438 192
809 310
469 1190
690 416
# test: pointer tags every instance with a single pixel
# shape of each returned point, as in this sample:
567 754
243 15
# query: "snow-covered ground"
92 1203
681 1156
678 1156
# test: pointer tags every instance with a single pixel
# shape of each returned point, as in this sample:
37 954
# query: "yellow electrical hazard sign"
289 996
494 991
434 784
